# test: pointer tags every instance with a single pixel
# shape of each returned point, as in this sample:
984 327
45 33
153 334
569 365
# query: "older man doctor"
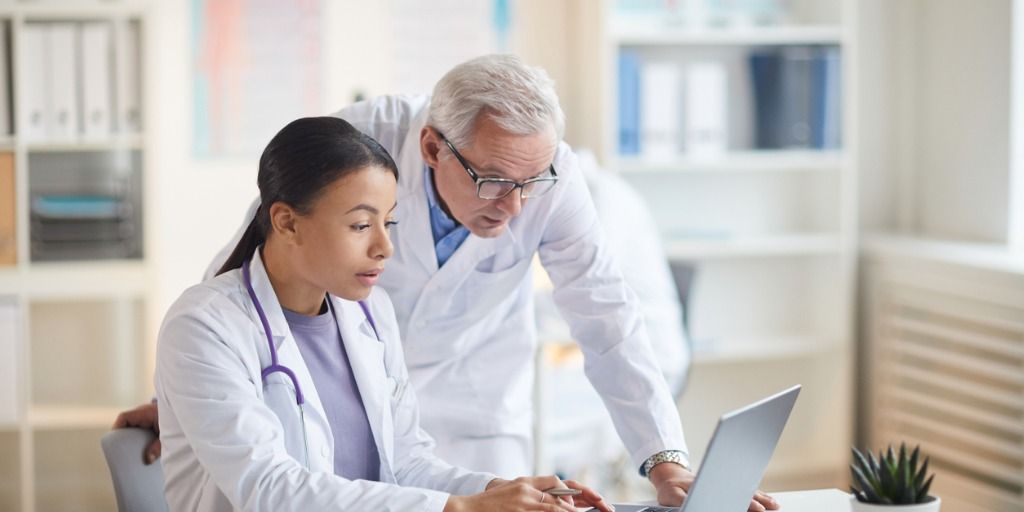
485 183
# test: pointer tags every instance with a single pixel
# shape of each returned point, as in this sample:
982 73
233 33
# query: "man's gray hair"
521 99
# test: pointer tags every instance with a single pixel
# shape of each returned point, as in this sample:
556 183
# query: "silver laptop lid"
738 455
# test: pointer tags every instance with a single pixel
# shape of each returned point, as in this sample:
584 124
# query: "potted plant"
891 482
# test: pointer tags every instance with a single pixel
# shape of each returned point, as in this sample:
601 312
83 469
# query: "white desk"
821 500
824 500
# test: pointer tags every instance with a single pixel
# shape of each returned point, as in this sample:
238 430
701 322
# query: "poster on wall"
256 65
459 30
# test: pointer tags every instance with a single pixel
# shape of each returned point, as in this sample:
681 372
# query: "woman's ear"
430 146
282 221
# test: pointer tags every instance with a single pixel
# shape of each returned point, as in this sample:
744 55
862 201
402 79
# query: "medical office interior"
836 185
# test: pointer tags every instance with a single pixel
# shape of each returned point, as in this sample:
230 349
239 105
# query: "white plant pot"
931 506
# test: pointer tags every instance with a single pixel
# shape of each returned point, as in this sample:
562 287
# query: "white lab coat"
233 442
468 328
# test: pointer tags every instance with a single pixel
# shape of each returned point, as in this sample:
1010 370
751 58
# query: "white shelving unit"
82 334
772 234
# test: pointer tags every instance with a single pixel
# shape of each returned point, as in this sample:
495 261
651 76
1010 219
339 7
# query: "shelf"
996 257
131 143
747 36
81 10
738 162
753 246
94 279
768 348
59 418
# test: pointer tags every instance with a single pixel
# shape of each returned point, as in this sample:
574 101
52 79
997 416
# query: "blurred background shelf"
753 246
747 36
764 161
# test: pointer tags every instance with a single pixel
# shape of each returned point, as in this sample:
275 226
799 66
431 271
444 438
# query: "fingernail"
150 457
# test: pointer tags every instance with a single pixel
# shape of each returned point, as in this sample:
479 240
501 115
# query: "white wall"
197 205
935 119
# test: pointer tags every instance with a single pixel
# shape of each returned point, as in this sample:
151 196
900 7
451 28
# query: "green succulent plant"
890 479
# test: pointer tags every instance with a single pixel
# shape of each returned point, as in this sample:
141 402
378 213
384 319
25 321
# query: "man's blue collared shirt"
448 234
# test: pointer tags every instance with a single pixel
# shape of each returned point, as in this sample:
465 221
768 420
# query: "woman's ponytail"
251 240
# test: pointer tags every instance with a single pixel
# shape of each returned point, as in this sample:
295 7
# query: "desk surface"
824 500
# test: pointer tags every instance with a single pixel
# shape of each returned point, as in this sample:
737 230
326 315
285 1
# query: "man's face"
495 153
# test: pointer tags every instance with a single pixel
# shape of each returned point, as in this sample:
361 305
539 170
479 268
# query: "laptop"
736 459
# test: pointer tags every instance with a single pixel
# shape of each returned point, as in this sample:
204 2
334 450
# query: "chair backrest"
139 487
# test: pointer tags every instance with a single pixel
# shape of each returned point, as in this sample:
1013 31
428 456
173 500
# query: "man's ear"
282 221
430 146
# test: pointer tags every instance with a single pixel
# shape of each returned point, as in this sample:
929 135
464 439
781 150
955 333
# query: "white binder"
97 80
63 113
9 358
35 85
660 110
706 109
126 47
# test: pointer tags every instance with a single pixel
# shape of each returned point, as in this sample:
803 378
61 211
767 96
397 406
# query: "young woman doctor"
281 382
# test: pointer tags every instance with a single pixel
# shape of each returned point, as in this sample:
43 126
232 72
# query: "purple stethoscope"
275 366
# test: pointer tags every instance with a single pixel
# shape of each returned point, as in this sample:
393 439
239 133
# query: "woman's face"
343 241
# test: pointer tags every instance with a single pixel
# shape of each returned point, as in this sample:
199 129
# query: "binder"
128 89
35 91
661 113
765 73
63 112
97 80
629 103
9 389
797 96
706 109
8 213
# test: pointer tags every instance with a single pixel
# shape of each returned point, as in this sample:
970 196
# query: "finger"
542 483
153 451
755 507
767 501
120 422
554 504
589 498
672 496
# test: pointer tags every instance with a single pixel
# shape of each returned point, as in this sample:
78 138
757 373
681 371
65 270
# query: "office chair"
138 487
684 274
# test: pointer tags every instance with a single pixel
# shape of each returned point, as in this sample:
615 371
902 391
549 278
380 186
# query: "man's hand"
673 482
143 416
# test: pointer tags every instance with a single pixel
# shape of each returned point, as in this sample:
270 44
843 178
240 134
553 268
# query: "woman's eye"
391 223
360 227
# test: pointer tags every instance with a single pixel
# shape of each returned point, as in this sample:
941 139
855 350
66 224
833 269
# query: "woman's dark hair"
304 158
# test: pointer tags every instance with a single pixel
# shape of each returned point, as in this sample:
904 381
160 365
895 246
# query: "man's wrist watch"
673 456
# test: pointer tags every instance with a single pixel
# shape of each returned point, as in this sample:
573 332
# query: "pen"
559 491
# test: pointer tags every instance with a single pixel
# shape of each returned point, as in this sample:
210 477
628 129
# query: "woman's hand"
506 496
527 493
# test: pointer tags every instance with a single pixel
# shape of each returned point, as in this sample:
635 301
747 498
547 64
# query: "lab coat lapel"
287 350
472 251
366 356
413 234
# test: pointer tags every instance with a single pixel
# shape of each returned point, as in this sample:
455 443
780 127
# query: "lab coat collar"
287 350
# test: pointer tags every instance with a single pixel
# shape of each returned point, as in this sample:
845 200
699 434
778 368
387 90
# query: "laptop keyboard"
660 509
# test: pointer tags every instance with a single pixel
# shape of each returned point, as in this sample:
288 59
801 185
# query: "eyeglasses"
497 188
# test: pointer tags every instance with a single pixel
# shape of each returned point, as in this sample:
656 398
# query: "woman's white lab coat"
231 441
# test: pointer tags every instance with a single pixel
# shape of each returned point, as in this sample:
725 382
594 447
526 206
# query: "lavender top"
319 341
